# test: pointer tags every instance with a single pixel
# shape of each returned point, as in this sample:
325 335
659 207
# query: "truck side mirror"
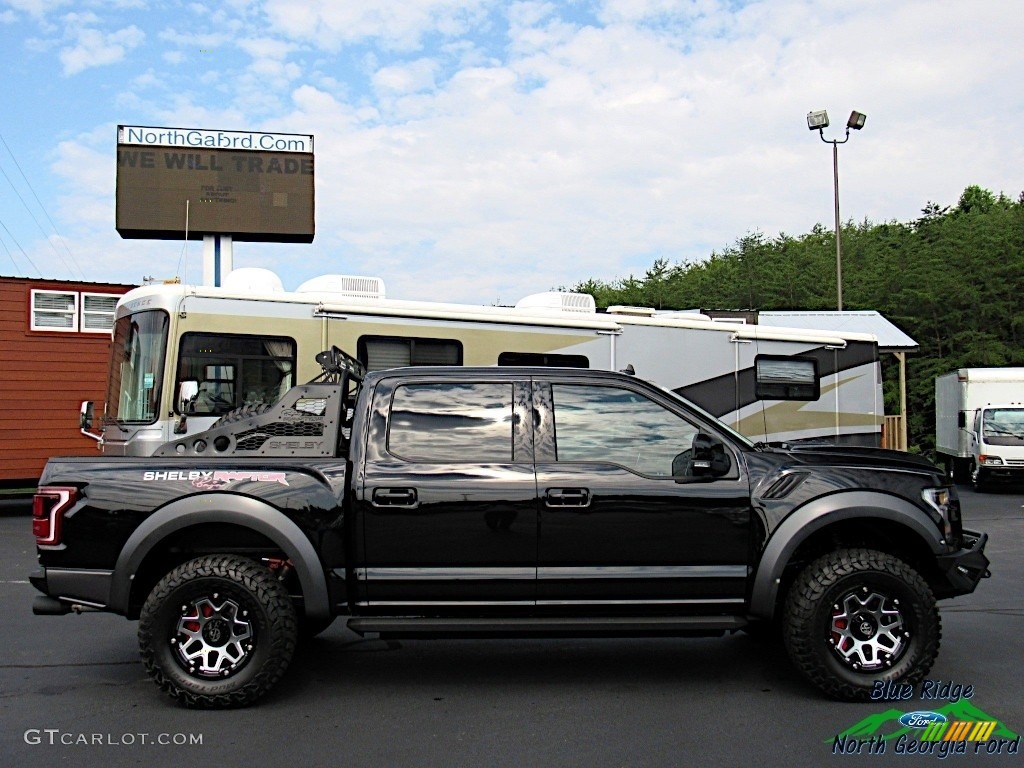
710 459
961 419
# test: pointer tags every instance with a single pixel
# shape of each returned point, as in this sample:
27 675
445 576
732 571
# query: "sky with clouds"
477 150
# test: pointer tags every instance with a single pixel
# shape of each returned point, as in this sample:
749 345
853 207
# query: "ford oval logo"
921 719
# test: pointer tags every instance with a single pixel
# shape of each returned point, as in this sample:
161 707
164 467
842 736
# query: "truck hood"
859 456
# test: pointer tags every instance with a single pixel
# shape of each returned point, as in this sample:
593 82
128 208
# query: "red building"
54 353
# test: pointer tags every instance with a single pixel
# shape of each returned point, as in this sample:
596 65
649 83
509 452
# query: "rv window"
380 352
235 370
542 359
786 378
452 422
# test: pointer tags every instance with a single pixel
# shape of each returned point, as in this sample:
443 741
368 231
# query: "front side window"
136 371
452 423
232 371
786 378
608 424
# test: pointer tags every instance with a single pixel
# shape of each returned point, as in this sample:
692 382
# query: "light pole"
818 121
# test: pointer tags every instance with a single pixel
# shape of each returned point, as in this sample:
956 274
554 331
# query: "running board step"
391 626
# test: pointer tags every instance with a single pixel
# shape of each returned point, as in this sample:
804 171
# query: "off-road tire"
244 412
226 594
843 654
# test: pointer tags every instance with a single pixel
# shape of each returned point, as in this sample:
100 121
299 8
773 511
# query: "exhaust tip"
49 606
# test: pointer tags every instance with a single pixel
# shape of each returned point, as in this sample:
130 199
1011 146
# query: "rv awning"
890 337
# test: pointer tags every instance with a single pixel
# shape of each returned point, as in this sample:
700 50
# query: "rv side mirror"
85 415
961 419
187 392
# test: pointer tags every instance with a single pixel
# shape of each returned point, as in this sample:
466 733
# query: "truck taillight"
48 508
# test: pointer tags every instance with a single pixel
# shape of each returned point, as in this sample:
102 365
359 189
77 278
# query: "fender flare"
817 514
223 508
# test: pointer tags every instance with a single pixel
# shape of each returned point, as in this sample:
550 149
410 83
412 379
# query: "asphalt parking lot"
72 690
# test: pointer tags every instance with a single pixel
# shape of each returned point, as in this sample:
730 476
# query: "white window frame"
95 313
71 312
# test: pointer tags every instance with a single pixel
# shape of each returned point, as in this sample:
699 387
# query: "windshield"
136 367
1003 426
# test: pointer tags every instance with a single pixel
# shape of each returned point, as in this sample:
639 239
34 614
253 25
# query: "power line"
43 209
23 252
10 256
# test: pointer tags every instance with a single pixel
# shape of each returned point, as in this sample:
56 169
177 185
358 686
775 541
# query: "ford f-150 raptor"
495 501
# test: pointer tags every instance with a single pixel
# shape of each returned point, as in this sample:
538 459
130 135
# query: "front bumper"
962 570
1001 473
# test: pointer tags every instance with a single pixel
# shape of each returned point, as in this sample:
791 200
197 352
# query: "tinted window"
449 422
608 424
786 378
543 359
380 352
235 370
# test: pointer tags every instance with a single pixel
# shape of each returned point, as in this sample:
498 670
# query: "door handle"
567 497
395 497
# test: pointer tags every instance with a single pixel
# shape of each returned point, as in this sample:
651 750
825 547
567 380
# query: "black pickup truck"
499 502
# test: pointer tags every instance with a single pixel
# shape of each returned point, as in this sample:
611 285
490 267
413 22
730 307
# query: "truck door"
448 500
623 519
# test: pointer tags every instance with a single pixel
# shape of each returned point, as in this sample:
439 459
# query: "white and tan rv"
183 356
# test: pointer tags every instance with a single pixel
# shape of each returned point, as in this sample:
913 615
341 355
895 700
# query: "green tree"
951 279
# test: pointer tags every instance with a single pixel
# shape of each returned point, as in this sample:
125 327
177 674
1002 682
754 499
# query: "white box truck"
979 424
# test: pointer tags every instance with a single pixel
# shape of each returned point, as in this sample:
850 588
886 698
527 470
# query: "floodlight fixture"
856 121
817 120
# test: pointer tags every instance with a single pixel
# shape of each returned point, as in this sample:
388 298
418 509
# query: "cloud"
266 47
93 47
591 150
407 77
37 8
397 24
471 150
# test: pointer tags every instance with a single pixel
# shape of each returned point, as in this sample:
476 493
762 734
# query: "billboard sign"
252 186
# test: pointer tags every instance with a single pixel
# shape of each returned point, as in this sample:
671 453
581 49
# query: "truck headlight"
946 504
988 460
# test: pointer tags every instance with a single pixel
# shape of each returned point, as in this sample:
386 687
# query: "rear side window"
786 378
452 423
